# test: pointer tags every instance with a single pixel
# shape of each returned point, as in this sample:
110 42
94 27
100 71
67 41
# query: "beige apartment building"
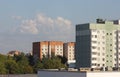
47 48
69 53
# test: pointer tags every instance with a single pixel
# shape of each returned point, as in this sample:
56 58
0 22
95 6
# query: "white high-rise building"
98 45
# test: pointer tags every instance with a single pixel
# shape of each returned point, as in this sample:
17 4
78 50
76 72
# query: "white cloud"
29 26
48 27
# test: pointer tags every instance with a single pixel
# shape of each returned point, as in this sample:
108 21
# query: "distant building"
69 53
98 45
15 52
47 48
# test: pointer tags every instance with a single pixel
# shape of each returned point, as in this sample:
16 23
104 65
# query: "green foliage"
2 68
12 67
3 58
28 69
63 59
53 63
21 64
38 66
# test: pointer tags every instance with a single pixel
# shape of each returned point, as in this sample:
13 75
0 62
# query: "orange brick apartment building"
47 48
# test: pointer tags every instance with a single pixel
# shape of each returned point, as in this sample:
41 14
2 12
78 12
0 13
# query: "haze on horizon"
25 21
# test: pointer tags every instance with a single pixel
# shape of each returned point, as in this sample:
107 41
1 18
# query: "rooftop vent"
100 21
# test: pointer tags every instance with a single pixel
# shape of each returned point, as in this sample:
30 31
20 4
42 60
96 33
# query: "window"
103 42
94 64
110 55
92 36
94 53
69 52
103 64
107 55
98 64
110 33
94 58
103 54
93 47
95 36
119 58
69 55
98 42
103 48
98 54
103 59
103 37
94 41
98 31
98 48
106 33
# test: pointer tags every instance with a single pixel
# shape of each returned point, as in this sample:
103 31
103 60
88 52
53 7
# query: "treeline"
24 64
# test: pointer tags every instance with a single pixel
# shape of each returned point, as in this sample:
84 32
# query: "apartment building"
98 45
47 48
69 53
69 50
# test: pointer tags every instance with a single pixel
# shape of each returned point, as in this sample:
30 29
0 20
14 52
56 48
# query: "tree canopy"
21 64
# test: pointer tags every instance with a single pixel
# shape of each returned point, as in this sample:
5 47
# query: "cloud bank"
42 25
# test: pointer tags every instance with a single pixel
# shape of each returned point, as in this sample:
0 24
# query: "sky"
23 22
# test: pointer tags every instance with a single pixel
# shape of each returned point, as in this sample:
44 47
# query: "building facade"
98 45
69 53
47 48
69 50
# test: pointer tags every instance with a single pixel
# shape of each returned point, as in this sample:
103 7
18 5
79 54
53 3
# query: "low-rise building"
14 52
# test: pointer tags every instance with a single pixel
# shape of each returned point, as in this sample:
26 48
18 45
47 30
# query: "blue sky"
25 21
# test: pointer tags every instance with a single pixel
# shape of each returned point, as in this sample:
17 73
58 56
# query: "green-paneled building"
98 45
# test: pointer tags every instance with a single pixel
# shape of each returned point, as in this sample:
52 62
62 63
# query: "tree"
2 68
12 67
28 69
23 63
37 66
63 59
31 60
53 63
